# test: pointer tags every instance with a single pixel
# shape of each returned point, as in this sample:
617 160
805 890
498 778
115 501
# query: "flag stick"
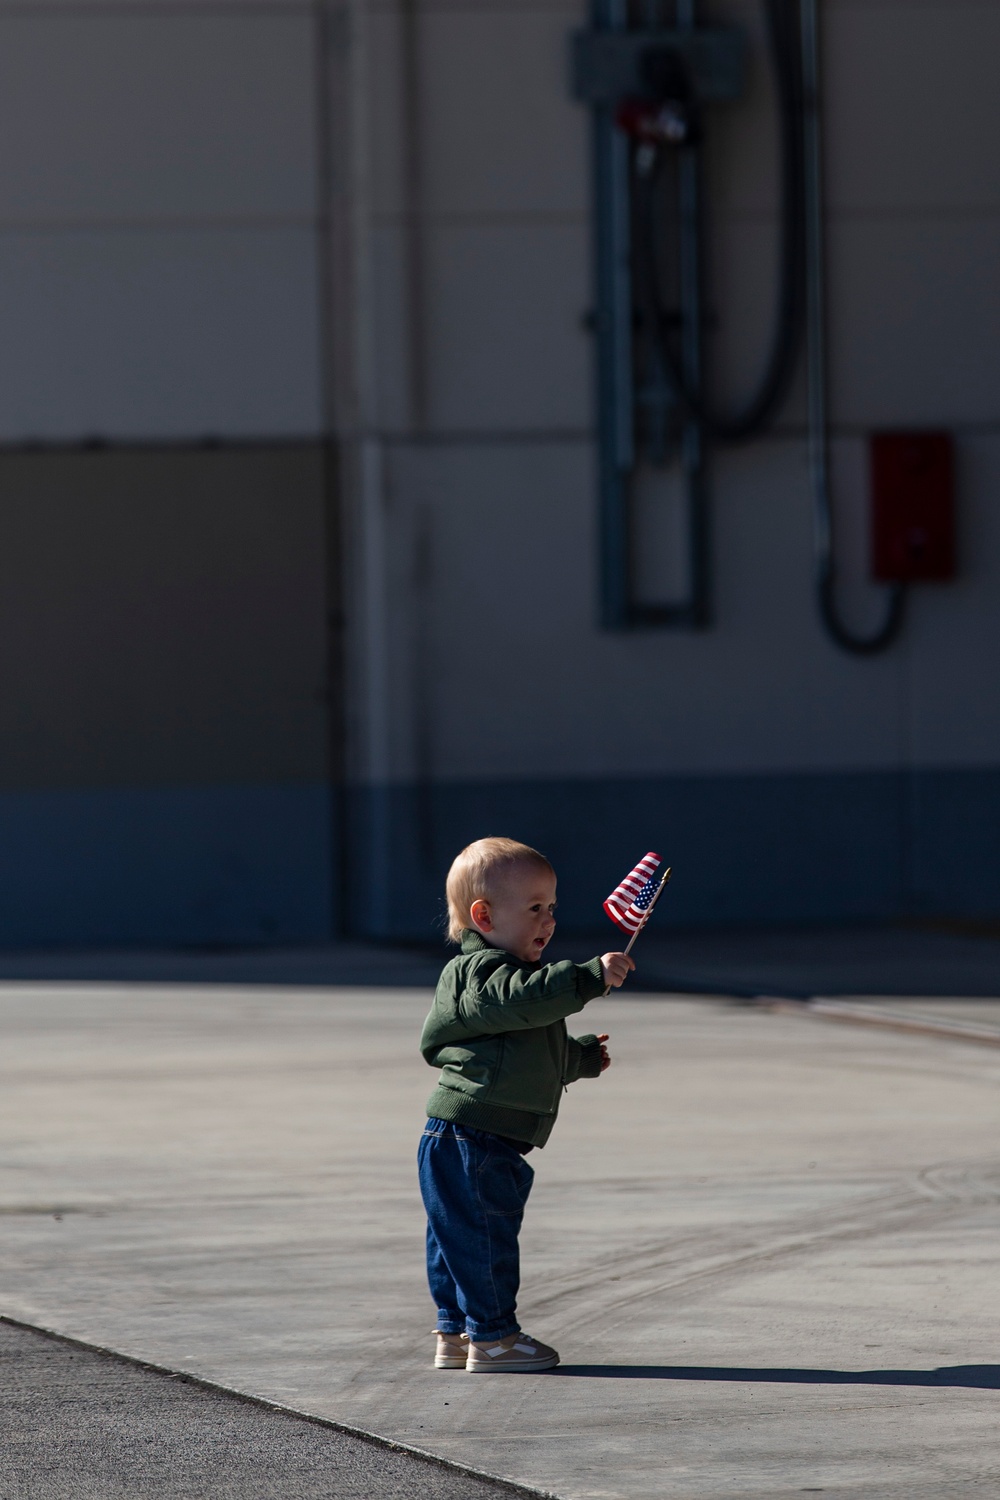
649 911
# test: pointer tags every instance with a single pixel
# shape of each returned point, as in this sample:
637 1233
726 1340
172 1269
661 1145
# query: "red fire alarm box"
912 506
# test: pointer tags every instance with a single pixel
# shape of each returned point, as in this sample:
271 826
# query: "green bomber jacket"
496 1031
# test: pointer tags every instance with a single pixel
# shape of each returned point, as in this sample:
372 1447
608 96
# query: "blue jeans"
474 1188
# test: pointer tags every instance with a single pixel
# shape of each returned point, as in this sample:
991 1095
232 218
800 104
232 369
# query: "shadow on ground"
742 962
975 1377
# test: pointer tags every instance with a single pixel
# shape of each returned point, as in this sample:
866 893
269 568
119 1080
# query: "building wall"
165 758
231 230
157 220
783 779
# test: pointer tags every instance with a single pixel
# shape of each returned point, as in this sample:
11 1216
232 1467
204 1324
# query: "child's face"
520 918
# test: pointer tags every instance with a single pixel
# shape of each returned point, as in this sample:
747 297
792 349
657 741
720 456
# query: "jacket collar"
474 942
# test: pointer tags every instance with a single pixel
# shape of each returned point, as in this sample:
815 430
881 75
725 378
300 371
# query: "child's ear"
479 911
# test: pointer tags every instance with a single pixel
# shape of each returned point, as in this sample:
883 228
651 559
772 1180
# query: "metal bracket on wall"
614 65
608 66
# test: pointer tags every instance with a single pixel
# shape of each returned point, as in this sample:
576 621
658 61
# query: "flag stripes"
628 903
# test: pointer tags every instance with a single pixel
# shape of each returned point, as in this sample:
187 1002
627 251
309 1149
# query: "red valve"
665 123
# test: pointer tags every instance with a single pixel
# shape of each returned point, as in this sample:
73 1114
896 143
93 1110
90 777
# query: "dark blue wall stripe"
185 865
745 849
254 864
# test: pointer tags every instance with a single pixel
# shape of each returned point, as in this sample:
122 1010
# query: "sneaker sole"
511 1366
448 1363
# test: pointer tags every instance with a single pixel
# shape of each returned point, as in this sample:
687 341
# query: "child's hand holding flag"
629 906
615 968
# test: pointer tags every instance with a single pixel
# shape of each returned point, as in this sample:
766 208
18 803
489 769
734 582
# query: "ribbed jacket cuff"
590 1061
591 981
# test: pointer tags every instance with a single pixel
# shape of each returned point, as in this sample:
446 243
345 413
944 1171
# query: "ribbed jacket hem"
520 1124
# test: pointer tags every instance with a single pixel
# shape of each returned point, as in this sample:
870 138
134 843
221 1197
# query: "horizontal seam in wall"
446 219
585 435
101 9
180 225
931 213
200 444
464 7
907 6
162 786
566 8
889 770
397 218
393 218
573 436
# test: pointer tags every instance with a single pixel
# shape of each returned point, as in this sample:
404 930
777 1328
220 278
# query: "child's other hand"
605 1059
616 967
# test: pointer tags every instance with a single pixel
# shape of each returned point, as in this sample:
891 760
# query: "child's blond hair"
476 873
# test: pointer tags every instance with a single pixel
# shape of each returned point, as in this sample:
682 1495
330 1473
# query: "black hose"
779 369
860 645
819 455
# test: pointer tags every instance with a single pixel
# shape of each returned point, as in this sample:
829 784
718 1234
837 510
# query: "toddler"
497 1032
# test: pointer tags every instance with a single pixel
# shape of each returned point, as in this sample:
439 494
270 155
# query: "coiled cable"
772 388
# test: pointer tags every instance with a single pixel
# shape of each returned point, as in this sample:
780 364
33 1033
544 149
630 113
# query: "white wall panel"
506 348
174 333
915 321
742 162
912 107
742 258
513 569
387 249
507 345
501 132
952 641
386 119
504 536
914 246
132 116
914 317
498 131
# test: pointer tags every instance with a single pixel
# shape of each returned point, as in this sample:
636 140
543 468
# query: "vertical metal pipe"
414 232
819 467
615 400
692 440
336 661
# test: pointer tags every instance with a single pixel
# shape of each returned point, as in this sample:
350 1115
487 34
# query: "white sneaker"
452 1350
517 1352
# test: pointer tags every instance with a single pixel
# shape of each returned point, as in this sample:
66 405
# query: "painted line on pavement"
869 1015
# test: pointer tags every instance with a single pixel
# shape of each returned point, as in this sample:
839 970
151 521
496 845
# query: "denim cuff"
488 1333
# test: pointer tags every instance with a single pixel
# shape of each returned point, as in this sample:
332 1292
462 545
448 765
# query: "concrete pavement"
766 1246
75 1425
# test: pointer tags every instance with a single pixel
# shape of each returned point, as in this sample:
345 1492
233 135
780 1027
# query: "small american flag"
629 902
